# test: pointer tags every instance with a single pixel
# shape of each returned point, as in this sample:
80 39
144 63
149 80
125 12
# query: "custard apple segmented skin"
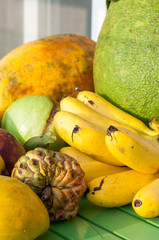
56 178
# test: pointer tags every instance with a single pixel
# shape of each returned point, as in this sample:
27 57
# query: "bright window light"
98 15
30 20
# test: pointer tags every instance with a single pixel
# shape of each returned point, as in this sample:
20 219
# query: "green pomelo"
126 62
31 120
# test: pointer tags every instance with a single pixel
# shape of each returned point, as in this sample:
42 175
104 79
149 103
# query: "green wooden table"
96 223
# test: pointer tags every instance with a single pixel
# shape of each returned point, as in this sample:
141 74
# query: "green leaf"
44 141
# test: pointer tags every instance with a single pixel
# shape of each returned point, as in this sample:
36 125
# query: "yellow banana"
77 107
2 165
154 124
146 200
133 150
90 166
117 189
78 155
86 137
104 107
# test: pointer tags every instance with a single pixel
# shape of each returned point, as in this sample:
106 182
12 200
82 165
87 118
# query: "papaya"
23 216
53 66
126 57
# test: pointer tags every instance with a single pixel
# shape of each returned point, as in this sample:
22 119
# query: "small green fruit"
31 120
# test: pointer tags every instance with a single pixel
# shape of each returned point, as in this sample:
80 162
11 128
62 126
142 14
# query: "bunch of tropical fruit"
81 118
118 152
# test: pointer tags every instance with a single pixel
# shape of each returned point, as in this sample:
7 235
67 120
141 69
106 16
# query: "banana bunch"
118 153
118 189
90 166
133 150
102 106
85 136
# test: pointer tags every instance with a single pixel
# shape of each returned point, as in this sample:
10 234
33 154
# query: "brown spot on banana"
75 130
111 129
137 203
99 187
121 149
91 102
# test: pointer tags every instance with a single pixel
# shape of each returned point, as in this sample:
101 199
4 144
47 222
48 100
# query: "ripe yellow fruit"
91 167
53 66
133 150
85 136
22 214
146 200
117 189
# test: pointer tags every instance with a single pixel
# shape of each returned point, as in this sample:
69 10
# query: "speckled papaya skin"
52 66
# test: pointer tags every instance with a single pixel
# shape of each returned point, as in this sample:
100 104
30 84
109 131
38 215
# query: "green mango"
126 61
31 120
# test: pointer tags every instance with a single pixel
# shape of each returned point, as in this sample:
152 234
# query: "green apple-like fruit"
10 150
31 120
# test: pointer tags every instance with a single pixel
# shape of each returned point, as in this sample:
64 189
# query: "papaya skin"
23 215
52 66
126 57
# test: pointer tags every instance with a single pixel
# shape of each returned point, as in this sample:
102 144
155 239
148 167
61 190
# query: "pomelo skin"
126 69
32 116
